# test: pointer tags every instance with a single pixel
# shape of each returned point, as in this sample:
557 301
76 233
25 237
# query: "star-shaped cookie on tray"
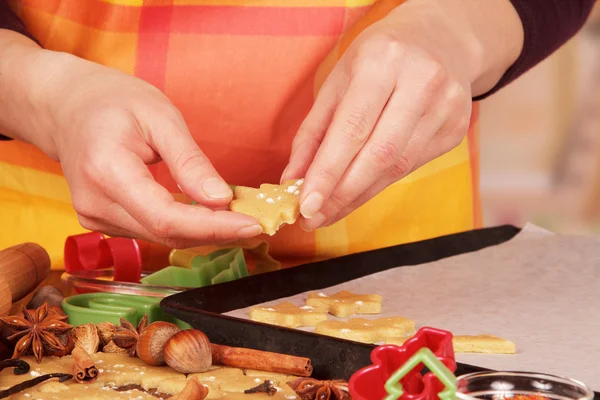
288 315
367 331
344 303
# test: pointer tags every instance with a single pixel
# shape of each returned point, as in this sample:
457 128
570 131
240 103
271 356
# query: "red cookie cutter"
369 382
91 251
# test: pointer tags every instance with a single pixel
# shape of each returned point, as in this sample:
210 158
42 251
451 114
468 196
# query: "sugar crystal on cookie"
271 205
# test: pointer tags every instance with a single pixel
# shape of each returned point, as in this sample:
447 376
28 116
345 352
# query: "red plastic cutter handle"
127 260
83 253
90 251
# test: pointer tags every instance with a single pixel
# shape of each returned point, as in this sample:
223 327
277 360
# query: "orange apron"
244 73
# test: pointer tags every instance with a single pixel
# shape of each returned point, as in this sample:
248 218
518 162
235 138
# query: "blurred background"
540 142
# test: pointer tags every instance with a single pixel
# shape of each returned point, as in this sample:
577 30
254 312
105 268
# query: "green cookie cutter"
202 270
393 387
110 307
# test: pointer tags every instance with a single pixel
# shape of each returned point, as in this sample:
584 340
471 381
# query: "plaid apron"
244 73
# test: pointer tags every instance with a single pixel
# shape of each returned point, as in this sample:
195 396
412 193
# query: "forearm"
481 39
493 41
24 69
500 34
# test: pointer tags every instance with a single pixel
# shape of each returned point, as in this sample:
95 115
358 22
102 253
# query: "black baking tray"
332 358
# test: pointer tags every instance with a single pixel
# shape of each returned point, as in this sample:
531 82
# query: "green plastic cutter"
202 270
110 307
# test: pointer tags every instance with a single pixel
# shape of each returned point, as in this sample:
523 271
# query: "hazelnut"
188 351
152 340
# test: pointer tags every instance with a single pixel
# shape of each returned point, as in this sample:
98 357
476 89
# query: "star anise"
37 330
127 335
313 389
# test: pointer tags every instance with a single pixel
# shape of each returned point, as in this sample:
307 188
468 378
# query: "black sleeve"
547 25
10 21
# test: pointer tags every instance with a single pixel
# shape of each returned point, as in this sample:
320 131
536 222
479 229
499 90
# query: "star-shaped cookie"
488 344
344 304
271 205
288 315
365 330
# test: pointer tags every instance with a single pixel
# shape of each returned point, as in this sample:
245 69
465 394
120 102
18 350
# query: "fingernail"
215 188
250 231
315 222
180 189
311 205
284 174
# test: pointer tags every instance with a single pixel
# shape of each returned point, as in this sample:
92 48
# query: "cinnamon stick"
238 357
84 369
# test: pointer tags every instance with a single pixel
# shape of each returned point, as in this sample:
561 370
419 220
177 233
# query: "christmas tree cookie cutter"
217 267
396 370
440 381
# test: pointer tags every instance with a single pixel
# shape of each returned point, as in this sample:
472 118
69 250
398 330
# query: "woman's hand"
105 127
399 97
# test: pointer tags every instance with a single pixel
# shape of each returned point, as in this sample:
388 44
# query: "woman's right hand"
105 127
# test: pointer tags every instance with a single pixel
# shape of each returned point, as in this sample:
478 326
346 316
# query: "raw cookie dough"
288 315
120 370
235 381
271 205
483 344
367 331
488 344
344 304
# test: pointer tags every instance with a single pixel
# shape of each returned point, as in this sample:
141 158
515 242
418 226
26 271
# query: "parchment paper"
540 290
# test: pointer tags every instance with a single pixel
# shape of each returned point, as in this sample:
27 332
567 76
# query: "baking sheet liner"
540 290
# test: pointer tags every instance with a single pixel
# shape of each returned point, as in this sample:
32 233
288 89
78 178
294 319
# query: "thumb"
189 166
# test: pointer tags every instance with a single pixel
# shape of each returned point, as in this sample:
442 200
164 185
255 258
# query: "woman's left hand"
399 97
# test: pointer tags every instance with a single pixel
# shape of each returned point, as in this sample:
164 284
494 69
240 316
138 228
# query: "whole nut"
188 351
152 340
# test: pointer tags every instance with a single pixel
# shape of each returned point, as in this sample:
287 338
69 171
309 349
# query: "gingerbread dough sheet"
539 290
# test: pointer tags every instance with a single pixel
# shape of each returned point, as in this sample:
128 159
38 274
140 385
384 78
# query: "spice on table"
84 369
20 366
37 330
68 344
238 357
527 397
127 335
86 336
313 389
193 390
267 387
139 388
33 382
106 331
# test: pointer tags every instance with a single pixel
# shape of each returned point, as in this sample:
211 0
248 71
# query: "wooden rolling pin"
22 268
